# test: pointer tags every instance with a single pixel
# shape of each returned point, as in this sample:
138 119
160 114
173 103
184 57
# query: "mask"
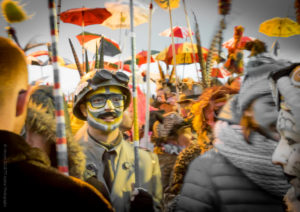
105 108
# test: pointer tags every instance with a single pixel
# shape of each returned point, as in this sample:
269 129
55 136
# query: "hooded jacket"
43 123
30 182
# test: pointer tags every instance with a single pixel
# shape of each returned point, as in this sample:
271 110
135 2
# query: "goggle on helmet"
97 79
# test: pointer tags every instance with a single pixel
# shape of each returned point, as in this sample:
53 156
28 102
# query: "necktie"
108 173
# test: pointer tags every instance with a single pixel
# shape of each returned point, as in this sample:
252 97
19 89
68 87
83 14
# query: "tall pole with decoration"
134 94
61 141
148 94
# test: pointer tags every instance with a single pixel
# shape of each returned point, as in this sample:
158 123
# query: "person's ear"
83 109
22 100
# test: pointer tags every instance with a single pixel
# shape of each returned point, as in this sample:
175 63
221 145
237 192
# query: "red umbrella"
85 16
91 40
229 44
141 58
179 32
85 37
126 67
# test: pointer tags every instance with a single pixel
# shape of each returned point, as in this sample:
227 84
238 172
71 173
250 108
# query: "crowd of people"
227 147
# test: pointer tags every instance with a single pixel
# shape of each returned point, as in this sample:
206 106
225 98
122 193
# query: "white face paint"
108 116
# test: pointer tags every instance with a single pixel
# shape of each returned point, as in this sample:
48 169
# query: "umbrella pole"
174 55
191 38
82 39
146 133
120 42
134 94
61 141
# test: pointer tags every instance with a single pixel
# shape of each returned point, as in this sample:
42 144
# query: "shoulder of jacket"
208 158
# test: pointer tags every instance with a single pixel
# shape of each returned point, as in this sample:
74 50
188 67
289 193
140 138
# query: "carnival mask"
105 108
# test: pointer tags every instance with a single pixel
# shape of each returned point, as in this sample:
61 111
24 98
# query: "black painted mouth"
108 114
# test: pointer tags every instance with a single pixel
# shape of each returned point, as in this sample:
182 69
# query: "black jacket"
28 181
213 184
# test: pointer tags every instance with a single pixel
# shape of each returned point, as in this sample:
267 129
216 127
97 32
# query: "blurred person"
40 130
28 181
101 99
286 91
238 174
190 92
204 115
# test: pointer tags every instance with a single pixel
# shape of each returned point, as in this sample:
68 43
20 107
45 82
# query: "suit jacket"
149 172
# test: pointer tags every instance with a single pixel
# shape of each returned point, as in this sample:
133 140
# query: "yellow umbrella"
121 14
165 4
279 27
183 52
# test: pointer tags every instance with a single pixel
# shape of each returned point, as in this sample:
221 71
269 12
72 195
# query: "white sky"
243 12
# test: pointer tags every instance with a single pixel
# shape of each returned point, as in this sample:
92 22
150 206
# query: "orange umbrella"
230 43
85 16
179 32
184 54
141 58
121 14
91 40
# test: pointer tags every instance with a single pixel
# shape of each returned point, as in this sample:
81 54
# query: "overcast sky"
247 13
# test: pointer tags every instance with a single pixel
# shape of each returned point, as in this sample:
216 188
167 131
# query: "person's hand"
141 200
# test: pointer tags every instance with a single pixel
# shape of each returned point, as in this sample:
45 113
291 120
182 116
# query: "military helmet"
97 79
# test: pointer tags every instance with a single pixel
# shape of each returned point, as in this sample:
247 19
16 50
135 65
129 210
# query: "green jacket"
150 174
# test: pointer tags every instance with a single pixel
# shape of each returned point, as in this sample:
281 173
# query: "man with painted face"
286 90
100 99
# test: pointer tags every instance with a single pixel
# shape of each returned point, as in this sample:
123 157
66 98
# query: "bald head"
13 67
13 86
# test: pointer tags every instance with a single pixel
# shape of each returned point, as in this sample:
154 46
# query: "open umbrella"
166 4
184 54
279 27
141 57
179 32
121 14
84 17
110 48
230 43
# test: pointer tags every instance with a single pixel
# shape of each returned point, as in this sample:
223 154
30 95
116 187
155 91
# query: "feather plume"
200 55
162 75
101 54
96 57
76 59
224 7
87 66
13 12
213 51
